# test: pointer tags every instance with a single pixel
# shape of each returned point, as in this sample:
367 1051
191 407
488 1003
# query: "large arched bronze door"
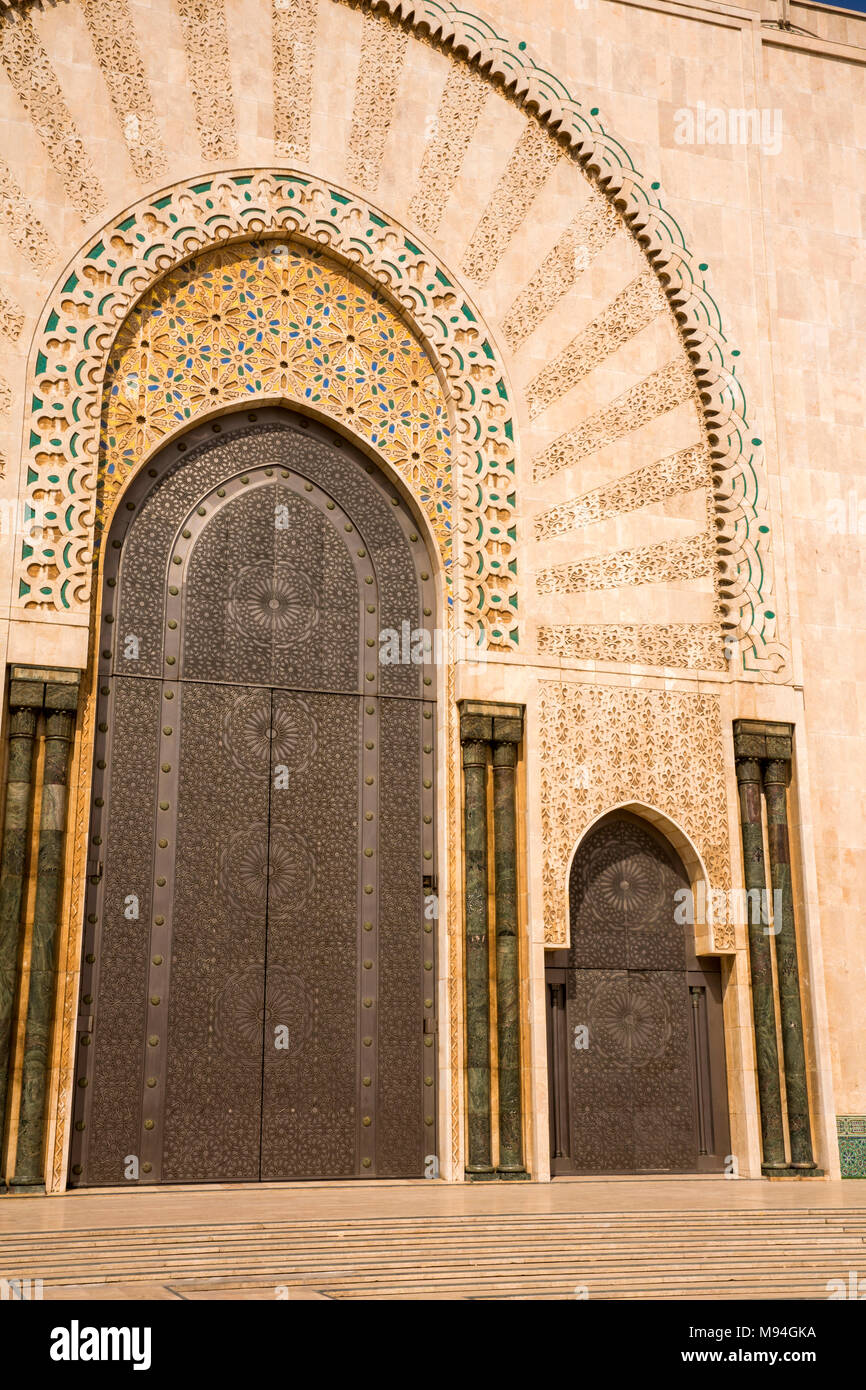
257 984
634 1022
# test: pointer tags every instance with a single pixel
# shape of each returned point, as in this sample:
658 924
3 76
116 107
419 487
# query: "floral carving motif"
632 309
383 52
739 482
242 1014
37 88
274 604
113 34
206 41
450 134
695 646
586 235
18 218
531 163
658 393
11 318
294 40
257 735
681 472
691 558
629 1020
267 867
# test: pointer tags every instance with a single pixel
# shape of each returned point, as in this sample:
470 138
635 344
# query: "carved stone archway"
423 392
109 277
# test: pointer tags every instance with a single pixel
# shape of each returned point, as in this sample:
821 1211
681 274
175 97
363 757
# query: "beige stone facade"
621 245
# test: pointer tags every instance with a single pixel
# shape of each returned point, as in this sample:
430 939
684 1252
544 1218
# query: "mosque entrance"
257 991
634 1017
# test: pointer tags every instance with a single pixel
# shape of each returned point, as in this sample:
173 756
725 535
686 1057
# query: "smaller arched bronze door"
257 991
634 1018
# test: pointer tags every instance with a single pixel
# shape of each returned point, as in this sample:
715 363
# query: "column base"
790 1170
512 1175
480 1174
17 1188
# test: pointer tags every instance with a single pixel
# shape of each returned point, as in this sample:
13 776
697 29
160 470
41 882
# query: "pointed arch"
111 274
680 841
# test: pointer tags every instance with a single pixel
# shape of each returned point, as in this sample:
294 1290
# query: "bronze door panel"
263 793
635 1040
213 972
118 906
309 1102
405 1089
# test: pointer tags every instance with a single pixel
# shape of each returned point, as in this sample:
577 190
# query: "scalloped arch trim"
113 272
739 479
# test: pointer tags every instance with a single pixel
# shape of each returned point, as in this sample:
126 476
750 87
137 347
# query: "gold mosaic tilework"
269 318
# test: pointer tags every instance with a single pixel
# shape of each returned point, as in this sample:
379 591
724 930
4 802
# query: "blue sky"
851 5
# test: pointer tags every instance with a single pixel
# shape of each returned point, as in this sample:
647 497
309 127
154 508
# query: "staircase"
682 1254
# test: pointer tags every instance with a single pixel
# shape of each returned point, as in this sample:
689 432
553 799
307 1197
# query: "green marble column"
507 733
761 965
16 830
475 733
787 968
59 726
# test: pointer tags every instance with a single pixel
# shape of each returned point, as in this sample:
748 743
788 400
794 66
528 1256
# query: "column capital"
759 738
748 769
508 728
505 754
776 772
490 720
42 687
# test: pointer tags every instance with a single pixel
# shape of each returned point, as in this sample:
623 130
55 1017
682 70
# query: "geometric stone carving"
605 746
